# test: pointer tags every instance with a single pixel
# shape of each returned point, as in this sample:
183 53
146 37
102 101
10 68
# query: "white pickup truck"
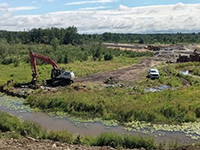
153 74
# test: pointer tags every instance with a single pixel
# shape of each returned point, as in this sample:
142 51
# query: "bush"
33 130
9 123
13 135
62 136
108 139
132 142
108 57
126 141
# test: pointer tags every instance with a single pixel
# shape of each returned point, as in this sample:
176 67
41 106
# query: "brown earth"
33 144
125 75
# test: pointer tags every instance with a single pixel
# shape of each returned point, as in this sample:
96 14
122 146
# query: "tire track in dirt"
124 75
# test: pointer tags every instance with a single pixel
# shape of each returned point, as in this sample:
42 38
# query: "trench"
15 107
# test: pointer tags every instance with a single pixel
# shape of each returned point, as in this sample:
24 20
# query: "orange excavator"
58 76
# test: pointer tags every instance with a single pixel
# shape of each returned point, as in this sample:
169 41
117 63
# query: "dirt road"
125 75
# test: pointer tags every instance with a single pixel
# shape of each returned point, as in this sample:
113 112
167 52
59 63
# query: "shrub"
108 139
62 136
33 130
126 141
108 57
132 142
9 123
13 135
197 112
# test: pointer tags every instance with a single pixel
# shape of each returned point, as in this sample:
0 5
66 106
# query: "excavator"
58 76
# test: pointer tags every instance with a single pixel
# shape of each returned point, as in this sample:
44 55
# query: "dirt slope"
125 75
33 144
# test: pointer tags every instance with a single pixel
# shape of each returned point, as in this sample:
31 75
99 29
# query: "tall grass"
124 105
125 141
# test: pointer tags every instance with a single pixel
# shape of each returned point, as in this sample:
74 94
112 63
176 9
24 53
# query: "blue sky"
46 6
98 16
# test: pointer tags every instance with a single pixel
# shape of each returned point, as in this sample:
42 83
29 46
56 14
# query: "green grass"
124 105
22 72
129 104
120 104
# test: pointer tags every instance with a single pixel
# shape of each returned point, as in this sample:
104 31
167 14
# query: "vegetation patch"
124 105
13 103
190 129
22 73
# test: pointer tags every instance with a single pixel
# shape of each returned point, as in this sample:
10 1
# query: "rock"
30 138
54 145
67 148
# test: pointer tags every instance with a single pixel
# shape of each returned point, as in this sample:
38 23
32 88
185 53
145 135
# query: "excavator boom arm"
41 57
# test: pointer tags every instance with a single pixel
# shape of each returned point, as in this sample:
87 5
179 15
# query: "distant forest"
70 35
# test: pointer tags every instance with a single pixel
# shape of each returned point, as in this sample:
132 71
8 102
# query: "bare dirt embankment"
125 75
32 144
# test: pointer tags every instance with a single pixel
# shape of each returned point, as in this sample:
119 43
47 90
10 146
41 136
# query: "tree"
98 52
71 36
54 43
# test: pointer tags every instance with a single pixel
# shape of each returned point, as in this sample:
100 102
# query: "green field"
22 72
178 104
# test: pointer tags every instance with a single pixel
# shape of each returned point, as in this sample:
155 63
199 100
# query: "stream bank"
161 133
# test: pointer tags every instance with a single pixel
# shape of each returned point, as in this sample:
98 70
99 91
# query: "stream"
167 134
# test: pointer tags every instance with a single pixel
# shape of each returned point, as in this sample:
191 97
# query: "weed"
13 135
62 136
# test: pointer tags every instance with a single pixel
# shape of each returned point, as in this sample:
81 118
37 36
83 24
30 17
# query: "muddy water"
15 107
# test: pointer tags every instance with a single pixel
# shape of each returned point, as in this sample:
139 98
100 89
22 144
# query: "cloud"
21 8
94 8
91 2
51 1
148 19
4 7
124 8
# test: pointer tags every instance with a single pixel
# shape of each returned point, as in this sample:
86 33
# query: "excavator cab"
55 72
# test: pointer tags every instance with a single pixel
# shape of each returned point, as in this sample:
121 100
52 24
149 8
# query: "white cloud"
51 1
91 2
21 8
4 7
94 8
124 8
149 19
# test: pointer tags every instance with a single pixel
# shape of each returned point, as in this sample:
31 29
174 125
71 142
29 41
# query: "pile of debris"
193 57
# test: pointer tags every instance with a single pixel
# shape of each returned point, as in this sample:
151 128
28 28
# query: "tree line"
70 35
16 53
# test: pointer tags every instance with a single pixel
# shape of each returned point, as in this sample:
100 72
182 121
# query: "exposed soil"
32 144
125 75
190 147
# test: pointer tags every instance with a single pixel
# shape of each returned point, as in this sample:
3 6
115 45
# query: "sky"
99 16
